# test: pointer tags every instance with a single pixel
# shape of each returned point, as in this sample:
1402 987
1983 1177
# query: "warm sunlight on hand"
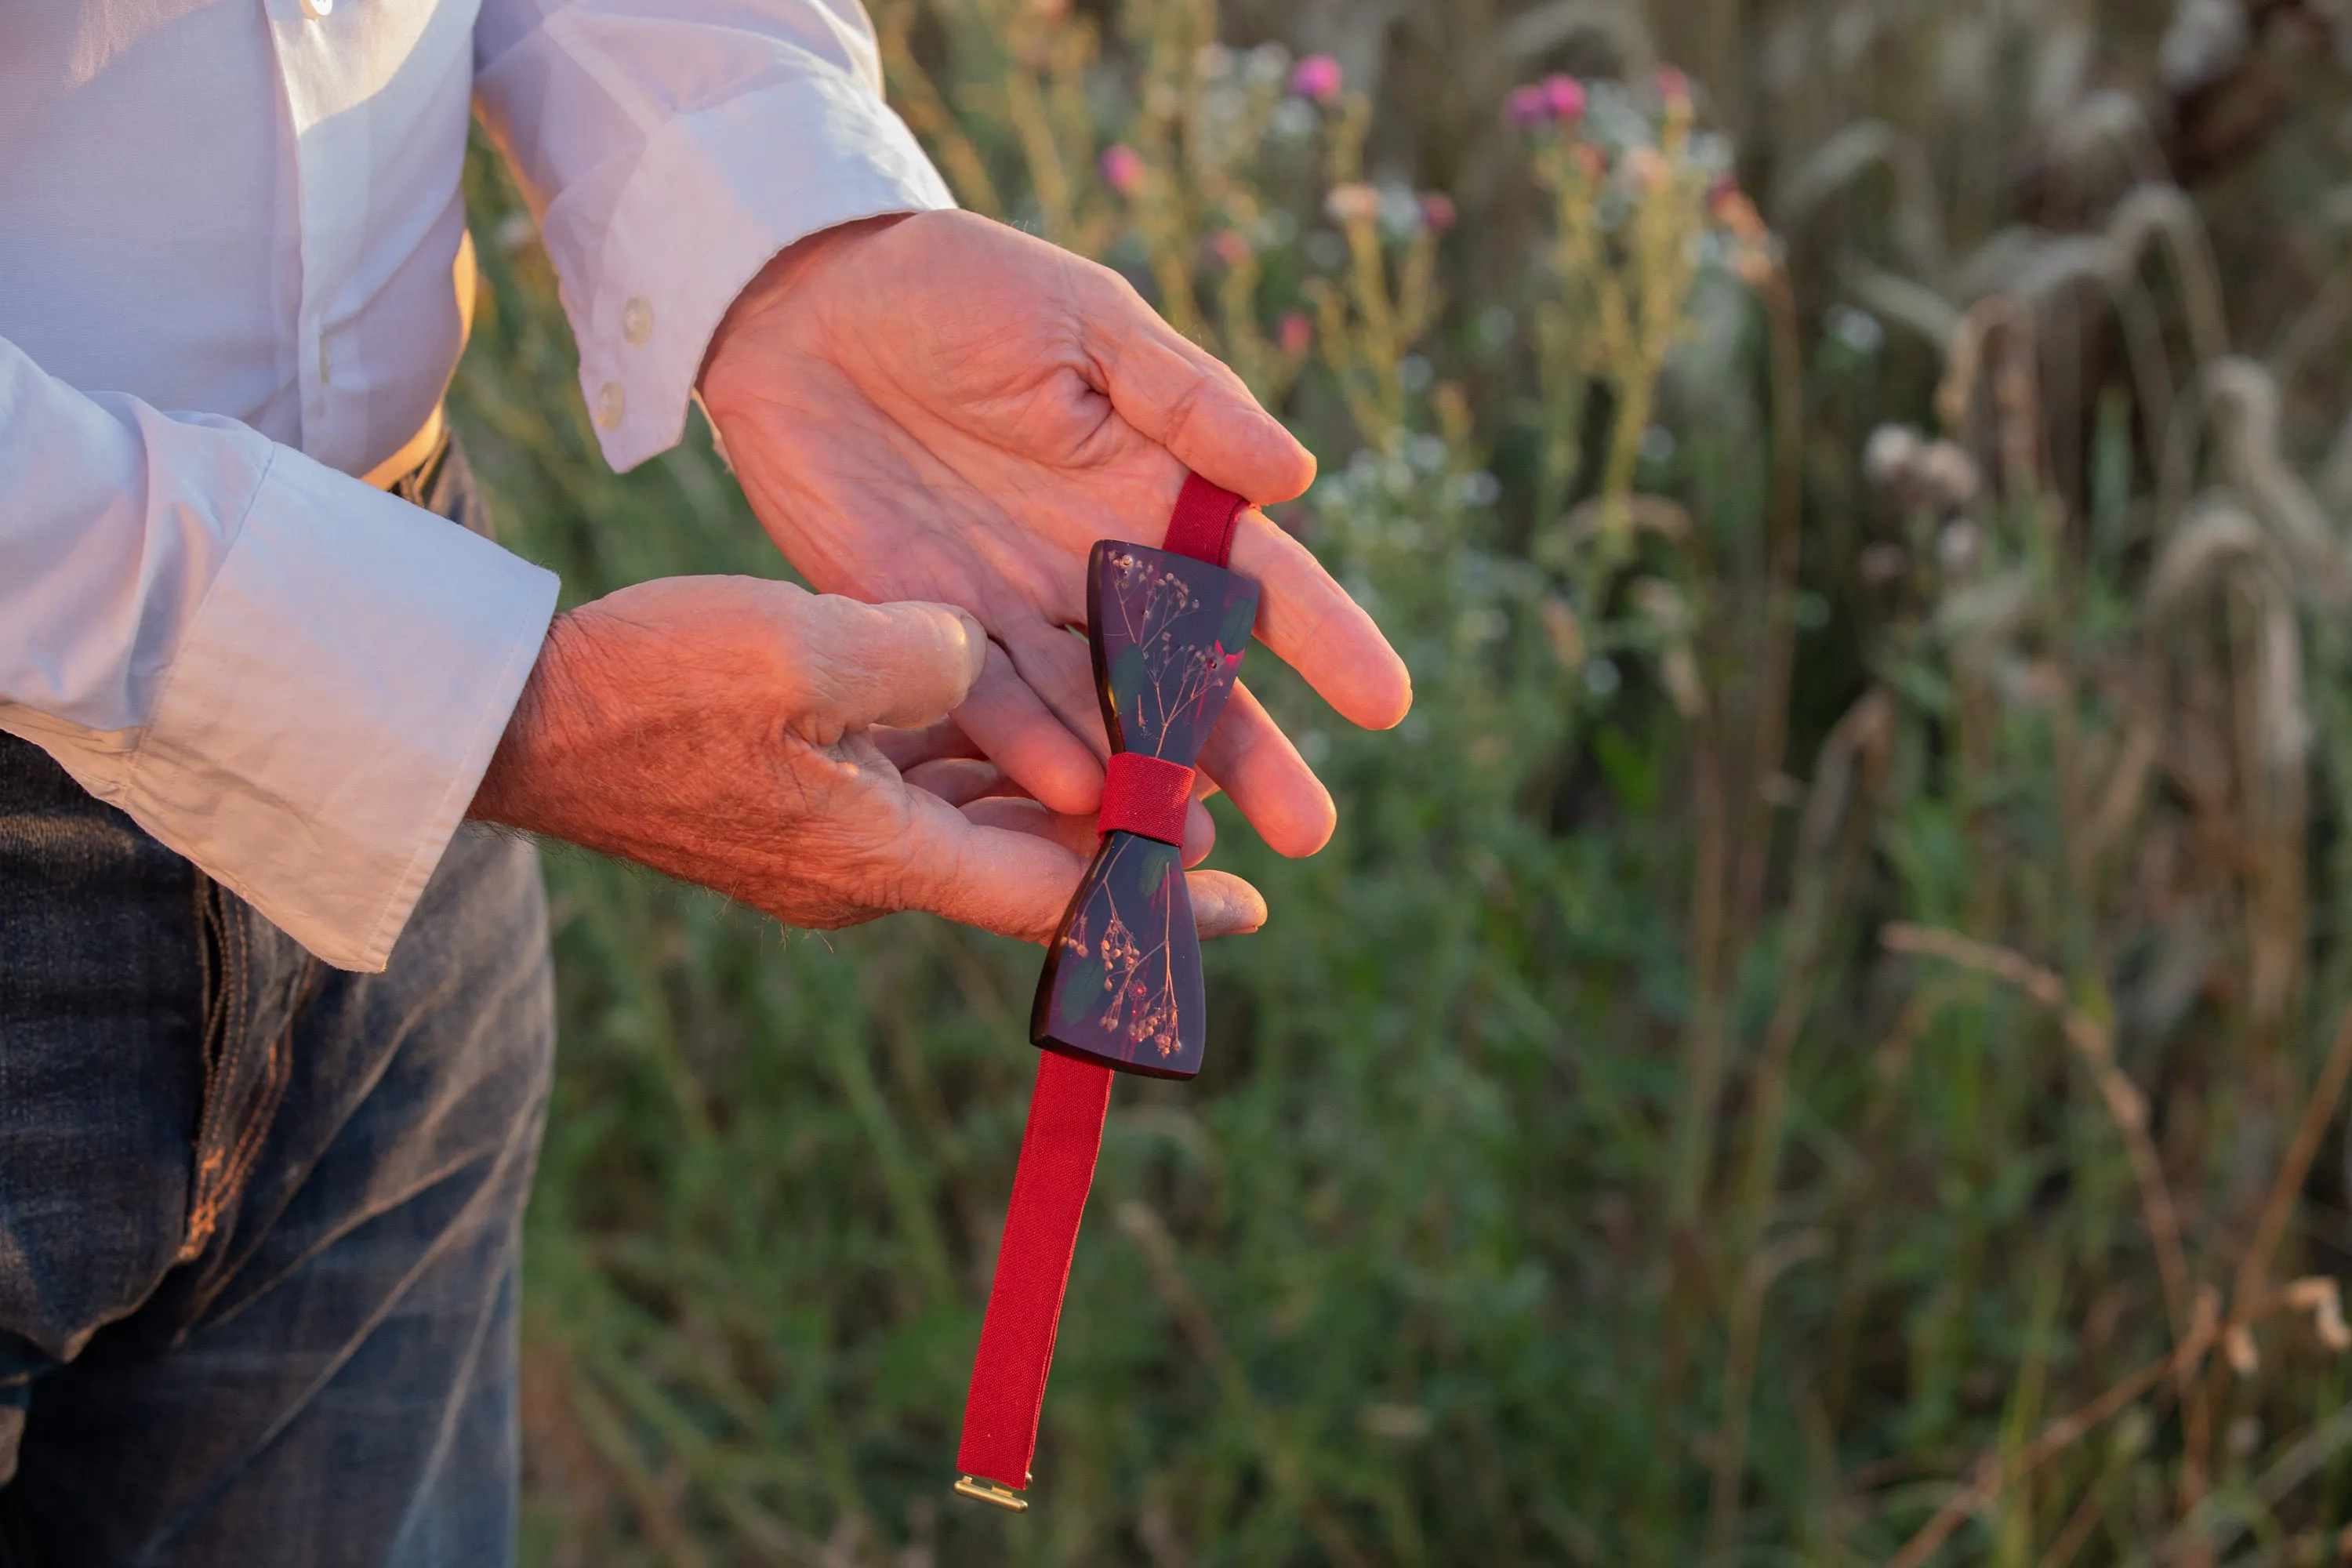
939 407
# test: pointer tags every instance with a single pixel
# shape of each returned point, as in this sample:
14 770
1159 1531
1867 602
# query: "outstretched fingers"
1247 755
1313 625
1253 761
1222 904
1173 392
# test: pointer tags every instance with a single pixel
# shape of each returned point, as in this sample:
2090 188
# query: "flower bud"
1564 98
1316 78
1122 168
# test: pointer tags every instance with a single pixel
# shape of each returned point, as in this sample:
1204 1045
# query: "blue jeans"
258 1217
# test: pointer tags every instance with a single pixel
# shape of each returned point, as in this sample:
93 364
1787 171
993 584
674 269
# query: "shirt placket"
322 60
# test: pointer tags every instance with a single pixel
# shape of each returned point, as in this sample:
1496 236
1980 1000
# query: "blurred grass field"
1819 1041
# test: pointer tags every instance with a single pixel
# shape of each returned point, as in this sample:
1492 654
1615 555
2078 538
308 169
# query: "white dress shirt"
228 230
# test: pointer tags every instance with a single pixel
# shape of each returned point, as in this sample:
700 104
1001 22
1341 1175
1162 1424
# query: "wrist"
771 285
514 788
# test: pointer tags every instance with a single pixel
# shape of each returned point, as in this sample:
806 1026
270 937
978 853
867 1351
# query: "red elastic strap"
1032 1265
1145 795
1204 525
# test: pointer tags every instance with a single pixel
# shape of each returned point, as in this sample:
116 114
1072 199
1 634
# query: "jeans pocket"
248 1056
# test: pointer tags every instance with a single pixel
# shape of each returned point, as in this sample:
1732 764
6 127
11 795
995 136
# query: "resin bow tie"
1122 980
1121 991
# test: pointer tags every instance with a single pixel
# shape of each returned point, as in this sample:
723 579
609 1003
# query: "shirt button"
609 404
637 319
325 364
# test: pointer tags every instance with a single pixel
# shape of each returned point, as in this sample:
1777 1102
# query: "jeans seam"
237 1118
224 1033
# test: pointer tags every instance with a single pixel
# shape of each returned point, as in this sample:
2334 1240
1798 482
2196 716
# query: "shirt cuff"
717 194
334 704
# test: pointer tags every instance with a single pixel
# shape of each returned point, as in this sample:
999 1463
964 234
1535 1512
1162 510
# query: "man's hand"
751 736
939 407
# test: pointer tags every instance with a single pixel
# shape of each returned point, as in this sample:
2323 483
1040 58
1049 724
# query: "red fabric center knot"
1145 795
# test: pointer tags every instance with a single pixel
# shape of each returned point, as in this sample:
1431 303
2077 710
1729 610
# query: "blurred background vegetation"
1819 1041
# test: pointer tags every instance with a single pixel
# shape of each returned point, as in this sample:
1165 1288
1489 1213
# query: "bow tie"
1122 980
1121 991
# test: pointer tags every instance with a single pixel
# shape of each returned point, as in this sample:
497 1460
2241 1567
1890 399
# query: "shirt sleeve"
669 149
290 677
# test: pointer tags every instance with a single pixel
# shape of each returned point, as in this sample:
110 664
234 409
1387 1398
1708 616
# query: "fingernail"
975 643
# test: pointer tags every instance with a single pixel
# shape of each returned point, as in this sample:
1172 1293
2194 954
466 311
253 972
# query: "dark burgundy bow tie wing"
1168 634
1122 980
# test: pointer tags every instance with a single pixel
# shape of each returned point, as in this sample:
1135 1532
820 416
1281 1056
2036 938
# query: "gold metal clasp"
991 1494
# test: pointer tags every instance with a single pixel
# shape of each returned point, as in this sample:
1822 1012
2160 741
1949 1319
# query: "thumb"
1176 392
903 665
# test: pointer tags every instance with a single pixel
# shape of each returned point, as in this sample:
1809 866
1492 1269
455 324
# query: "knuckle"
789 647
1184 410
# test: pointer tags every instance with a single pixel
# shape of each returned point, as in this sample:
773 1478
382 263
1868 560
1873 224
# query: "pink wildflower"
1674 87
1294 332
1122 167
1437 211
1317 77
1560 98
1228 246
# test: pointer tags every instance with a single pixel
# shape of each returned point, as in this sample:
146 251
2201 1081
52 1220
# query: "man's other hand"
791 751
940 408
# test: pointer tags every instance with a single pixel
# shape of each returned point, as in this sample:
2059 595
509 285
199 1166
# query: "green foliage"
1832 978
